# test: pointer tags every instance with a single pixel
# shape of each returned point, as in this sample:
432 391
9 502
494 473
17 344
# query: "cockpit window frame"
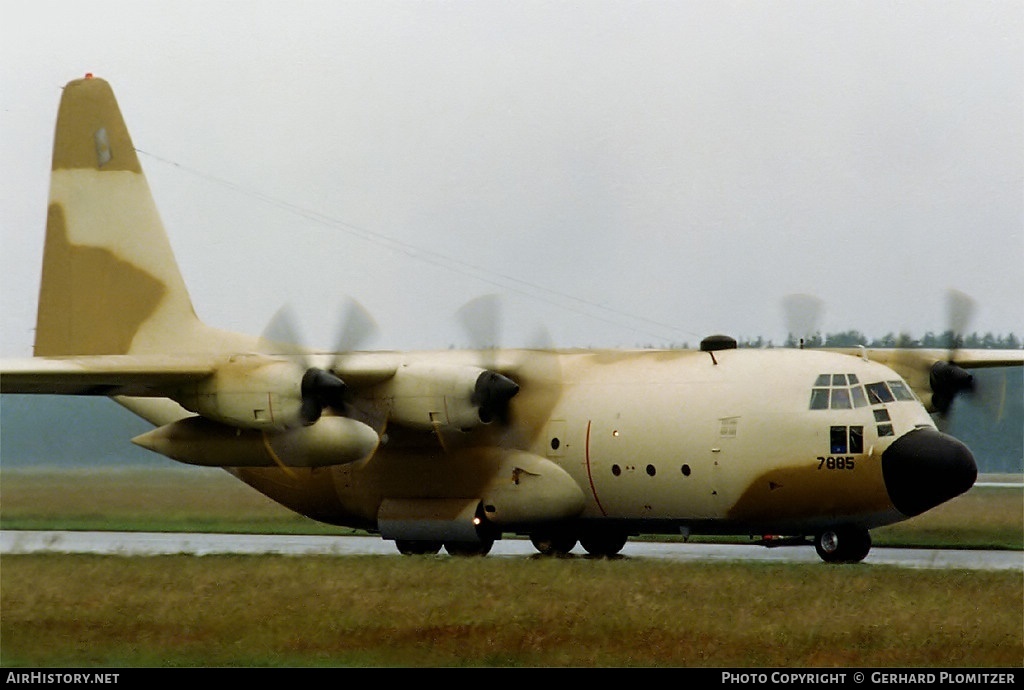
879 393
837 392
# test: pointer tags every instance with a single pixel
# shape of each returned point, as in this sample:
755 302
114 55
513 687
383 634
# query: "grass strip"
111 611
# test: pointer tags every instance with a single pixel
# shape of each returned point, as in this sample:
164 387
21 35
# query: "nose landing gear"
843 544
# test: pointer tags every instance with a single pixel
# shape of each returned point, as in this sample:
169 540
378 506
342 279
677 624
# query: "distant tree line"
945 340
854 338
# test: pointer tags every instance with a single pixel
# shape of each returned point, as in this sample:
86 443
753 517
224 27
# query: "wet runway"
153 543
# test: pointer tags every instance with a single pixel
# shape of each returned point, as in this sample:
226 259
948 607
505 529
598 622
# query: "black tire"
847 544
603 543
409 547
469 548
553 544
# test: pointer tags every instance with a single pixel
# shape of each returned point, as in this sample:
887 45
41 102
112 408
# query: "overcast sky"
623 173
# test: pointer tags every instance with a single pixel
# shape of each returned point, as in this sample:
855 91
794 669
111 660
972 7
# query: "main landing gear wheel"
553 544
469 548
843 544
409 547
603 544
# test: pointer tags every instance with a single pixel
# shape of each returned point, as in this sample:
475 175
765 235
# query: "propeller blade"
280 336
320 389
481 319
356 328
959 309
803 315
947 381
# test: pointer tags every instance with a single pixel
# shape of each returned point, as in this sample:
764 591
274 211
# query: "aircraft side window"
846 440
859 399
853 379
856 439
879 393
838 439
884 422
900 390
819 398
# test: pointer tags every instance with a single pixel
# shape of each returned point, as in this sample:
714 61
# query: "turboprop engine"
256 392
256 411
425 396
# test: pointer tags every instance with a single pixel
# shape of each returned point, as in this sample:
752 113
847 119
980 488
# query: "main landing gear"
601 544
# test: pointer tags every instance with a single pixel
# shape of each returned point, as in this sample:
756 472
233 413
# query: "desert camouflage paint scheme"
458 448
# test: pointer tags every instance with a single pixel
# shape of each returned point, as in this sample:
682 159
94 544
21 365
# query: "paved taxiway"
150 543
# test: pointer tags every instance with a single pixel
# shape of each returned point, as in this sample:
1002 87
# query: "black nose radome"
924 468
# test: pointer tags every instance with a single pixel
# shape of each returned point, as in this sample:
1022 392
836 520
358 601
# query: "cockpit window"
841 399
819 399
837 392
900 390
879 393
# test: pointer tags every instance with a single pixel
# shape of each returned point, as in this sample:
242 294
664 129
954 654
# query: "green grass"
246 611
436 611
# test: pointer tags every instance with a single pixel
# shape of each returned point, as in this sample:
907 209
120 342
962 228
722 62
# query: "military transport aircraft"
459 448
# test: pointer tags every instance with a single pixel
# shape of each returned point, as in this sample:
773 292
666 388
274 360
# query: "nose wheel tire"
843 544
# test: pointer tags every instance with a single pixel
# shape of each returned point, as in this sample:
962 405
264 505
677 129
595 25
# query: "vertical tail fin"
110 282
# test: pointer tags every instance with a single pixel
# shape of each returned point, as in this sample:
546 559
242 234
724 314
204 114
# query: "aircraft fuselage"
654 441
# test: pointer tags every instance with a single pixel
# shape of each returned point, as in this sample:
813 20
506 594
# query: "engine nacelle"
425 396
250 392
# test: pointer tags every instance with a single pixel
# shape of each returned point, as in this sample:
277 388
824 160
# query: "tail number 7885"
835 462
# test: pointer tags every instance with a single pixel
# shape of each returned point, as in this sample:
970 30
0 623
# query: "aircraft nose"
924 468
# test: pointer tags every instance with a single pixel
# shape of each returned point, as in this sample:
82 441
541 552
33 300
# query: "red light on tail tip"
88 75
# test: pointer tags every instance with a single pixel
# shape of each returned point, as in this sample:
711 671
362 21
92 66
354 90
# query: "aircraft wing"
967 358
105 375
937 376
151 375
